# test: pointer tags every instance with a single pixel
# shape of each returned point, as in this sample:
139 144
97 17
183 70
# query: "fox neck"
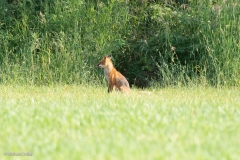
107 70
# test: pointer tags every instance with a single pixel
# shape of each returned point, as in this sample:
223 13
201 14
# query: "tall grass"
45 42
57 41
220 32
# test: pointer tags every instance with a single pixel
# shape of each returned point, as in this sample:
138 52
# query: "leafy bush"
162 46
182 43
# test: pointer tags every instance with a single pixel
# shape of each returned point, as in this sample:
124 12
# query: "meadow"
85 122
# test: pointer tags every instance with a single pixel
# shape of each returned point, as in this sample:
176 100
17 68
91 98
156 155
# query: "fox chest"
109 76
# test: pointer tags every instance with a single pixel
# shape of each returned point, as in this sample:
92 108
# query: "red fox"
113 77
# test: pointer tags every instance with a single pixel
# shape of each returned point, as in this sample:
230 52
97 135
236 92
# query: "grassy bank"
59 122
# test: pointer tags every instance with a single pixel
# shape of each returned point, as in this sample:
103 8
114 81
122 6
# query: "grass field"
84 122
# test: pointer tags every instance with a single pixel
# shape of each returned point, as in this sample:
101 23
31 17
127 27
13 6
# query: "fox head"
105 62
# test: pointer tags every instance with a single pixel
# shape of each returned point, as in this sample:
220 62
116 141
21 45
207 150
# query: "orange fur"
114 78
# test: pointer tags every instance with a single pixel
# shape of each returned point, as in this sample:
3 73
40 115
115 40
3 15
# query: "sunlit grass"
85 122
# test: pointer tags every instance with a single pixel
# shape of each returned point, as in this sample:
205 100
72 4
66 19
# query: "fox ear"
109 56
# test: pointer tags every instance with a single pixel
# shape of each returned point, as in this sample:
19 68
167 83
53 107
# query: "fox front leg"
110 88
